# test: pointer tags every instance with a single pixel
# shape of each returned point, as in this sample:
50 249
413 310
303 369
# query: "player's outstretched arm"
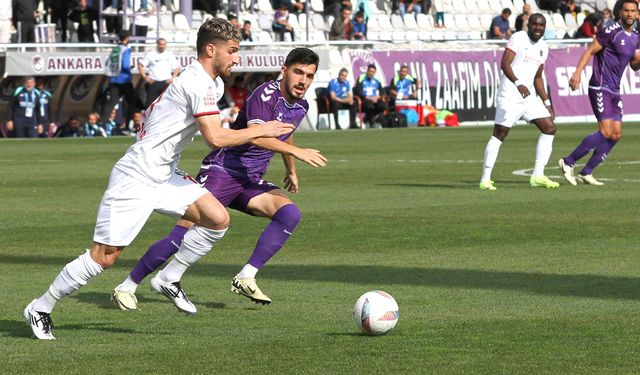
216 136
594 47
308 155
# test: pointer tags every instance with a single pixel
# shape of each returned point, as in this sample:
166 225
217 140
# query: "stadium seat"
509 4
559 25
424 22
373 7
485 7
384 22
398 36
410 22
181 23
302 20
265 21
293 21
317 6
166 22
318 22
472 6
265 7
572 24
496 6
397 23
517 6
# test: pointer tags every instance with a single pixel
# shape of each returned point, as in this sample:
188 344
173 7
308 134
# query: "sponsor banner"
466 82
92 63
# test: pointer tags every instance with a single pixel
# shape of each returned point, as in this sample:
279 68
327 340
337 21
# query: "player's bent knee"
105 255
289 215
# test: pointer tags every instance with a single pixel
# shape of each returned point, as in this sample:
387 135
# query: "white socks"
197 242
543 153
72 277
490 157
248 272
128 285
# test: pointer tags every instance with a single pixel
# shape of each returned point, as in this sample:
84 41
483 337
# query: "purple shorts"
233 190
605 104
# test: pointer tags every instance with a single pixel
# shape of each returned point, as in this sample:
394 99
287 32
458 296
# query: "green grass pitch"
520 280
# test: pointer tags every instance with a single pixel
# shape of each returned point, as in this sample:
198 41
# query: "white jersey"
525 65
169 125
160 66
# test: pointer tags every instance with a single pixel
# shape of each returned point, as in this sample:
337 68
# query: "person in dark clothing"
59 11
24 19
24 116
120 78
84 15
71 128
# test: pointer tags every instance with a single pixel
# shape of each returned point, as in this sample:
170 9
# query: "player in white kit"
522 67
145 179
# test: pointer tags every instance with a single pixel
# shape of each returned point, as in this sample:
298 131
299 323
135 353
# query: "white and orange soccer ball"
376 313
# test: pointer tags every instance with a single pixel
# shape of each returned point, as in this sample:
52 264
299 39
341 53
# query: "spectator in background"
24 19
135 124
24 116
237 93
158 69
228 116
6 13
59 15
403 86
246 32
118 69
409 6
208 6
358 27
334 7
234 21
426 6
499 28
369 89
569 6
341 28
439 16
589 27
551 5
607 18
281 24
46 125
522 21
84 16
92 128
341 97
71 128
293 6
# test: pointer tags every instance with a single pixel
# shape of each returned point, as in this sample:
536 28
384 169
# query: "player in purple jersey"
234 176
613 48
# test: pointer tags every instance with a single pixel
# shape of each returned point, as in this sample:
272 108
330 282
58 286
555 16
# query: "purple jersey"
609 64
265 104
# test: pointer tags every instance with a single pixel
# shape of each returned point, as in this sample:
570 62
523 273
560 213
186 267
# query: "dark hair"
372 66
247 22
618 7
123 34
216 30
231 17
343 70
303 56
506 10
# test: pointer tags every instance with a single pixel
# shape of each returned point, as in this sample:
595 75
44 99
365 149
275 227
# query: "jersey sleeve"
145 60
514 43
604 35
260 105
204 99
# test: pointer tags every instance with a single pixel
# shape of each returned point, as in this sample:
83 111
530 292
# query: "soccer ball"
376 313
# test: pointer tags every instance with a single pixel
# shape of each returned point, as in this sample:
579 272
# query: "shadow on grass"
570 285
103 300
18 328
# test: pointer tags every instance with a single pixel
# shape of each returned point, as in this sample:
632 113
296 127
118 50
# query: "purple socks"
275 234
588 143
157 254
599 154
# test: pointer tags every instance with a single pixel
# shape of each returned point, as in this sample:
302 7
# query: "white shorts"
509 111
128 203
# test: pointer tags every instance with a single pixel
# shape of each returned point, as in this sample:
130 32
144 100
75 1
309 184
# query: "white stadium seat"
384 22
410 22
397 23
424 22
